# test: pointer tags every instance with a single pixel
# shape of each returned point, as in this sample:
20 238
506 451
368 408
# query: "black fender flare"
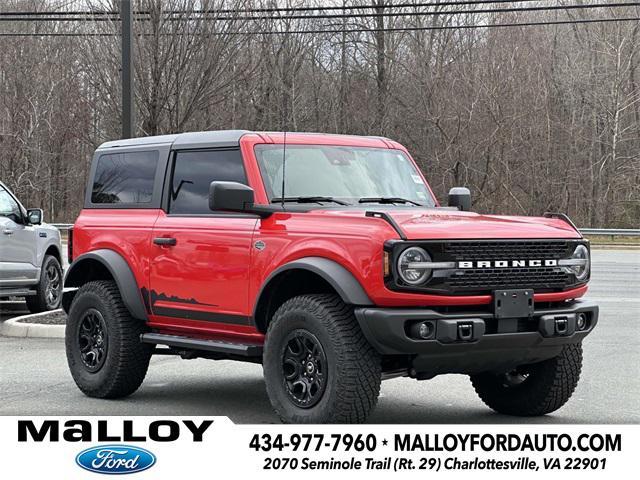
119 269
341 279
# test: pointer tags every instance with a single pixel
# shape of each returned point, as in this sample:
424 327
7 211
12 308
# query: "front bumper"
473 342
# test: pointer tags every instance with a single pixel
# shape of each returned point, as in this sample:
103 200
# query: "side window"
193 171
9 207
126 177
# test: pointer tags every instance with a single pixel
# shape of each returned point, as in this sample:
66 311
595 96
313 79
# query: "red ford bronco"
328 260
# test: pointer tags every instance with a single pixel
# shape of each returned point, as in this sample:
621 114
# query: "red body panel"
213 270
127 232
206 271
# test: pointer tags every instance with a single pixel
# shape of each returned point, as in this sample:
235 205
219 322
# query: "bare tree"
532 119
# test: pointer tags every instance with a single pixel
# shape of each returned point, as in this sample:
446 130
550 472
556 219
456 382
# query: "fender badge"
260 245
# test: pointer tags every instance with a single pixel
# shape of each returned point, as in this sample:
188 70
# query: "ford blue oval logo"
116 459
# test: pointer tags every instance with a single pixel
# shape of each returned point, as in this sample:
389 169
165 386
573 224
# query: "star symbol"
384 442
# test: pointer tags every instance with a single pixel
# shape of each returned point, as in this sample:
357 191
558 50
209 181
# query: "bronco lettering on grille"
508 263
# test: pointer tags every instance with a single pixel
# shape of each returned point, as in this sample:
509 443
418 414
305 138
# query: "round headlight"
412 274
581 271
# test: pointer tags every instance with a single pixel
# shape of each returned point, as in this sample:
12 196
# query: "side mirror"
460 197
236 197
34 215
231 196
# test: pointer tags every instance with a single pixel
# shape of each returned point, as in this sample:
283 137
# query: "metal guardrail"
614 232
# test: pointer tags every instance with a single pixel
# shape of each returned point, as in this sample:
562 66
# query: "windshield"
346 173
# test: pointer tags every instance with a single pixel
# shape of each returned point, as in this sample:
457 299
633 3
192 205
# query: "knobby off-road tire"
49 290
121 368
353 370
544 387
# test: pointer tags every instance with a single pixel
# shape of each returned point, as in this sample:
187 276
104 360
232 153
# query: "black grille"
493 278
508 250
481 281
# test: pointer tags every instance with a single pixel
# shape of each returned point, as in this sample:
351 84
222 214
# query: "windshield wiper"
308 200
388 200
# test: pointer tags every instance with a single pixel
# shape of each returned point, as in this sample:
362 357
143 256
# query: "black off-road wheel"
532 390
49 290
104 352
318 366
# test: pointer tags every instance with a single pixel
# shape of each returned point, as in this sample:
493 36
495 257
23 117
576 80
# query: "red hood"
450 224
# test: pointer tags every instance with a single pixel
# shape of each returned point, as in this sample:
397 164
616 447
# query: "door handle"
7 231
165 241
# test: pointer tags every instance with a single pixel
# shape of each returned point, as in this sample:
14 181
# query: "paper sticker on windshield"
421 195
417 179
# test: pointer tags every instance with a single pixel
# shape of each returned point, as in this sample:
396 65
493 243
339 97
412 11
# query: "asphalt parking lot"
34 379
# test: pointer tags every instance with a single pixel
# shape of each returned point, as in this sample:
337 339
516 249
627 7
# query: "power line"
334 31
285 9
351 15
437 13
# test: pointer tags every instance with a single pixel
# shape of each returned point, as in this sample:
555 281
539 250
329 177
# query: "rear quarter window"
125 178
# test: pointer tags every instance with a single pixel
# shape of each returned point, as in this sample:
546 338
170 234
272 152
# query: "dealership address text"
436 452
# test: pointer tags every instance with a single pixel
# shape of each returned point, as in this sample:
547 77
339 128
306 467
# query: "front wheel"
318 366
532 390
49 290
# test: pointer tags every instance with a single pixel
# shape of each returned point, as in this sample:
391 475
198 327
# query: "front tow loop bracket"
460 330
465 331
557 325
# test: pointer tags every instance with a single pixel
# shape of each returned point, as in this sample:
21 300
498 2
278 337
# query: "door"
199 273
18 246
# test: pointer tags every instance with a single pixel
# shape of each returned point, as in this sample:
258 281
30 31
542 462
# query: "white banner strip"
175 447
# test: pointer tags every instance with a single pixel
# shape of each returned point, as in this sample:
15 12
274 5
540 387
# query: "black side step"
219 346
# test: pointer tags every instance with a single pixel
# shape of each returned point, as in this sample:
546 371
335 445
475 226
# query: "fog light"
581 321
423 330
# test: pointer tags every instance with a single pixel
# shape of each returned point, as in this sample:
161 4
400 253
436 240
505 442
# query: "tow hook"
558 325
465 331
561 326
460 330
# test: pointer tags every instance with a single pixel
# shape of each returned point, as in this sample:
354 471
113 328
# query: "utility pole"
128 101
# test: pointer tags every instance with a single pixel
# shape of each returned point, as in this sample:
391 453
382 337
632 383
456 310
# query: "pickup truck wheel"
49 290
104 352
318 366
532 390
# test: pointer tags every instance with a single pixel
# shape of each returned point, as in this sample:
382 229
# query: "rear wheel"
49 290
535 389
318 366
104 352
